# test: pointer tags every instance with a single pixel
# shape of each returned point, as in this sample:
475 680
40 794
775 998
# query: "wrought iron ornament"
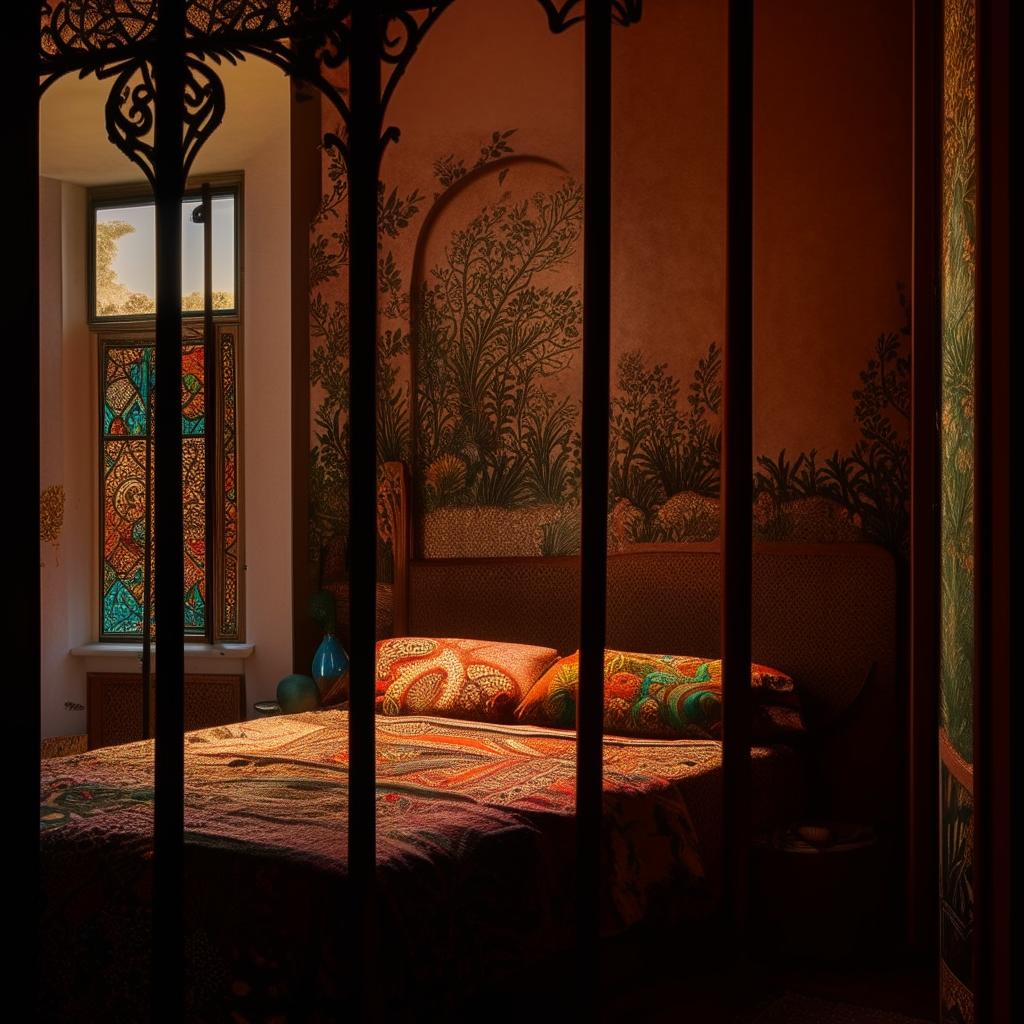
308 40
570 12
130 111
162 57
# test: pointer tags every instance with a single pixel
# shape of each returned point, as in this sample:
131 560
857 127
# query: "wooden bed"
475 854
824 613
475 861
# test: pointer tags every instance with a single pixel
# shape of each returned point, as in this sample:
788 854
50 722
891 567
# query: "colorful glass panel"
124 539
229 487
193 397
127 391
193 470
127 380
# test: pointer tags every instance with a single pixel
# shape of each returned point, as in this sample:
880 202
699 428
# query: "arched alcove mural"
496 334
831 460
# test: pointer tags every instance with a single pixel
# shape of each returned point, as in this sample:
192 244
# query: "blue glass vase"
330 669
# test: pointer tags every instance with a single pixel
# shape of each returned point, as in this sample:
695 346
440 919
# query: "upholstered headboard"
824 613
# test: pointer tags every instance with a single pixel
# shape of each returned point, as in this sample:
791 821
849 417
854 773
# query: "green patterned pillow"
661 696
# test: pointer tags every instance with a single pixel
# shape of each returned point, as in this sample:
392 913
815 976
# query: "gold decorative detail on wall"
51 516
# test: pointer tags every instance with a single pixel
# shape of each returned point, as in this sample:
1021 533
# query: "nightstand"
817 891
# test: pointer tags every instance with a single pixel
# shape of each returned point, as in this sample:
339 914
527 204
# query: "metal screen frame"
178 43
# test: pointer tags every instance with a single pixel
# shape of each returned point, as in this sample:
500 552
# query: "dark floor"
779 994
912 992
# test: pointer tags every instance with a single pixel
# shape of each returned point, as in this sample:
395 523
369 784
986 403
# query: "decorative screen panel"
957 474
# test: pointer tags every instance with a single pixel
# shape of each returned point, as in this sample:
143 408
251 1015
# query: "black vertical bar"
363 165
594 542
1001 744
305 132
982 513
923 649
211 392
737 456
21 129
168 814
147 553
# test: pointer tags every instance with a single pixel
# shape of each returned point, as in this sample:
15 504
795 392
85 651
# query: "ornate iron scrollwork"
306 39
130 111
71 28
570 12
222 17
204 108
403 32
627 12
561 17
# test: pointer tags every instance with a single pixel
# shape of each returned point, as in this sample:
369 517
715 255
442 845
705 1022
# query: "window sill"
232 652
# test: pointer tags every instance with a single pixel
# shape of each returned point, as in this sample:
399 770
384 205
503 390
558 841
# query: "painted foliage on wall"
957 498
490 341
666 455
491 333
329 333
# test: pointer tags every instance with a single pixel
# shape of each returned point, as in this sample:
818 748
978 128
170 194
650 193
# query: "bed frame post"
363 167
169 766
737 458
594 543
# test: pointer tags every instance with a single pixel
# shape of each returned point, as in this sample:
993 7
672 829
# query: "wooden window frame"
140 194
106 330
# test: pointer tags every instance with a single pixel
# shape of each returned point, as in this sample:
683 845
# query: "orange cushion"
477 679
661 696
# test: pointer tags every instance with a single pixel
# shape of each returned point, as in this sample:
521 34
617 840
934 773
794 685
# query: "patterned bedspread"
474 852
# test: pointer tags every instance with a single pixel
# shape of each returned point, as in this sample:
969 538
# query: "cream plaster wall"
69 415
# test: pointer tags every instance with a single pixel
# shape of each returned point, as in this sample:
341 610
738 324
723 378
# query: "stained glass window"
127 390
228 490
127 431
122 232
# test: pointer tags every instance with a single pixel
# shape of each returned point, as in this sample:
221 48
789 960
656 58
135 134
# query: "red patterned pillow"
477 679
662 696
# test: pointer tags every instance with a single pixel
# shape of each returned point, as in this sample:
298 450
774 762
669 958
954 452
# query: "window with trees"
122 307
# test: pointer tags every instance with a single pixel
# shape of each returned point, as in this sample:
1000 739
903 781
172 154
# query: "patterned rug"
792 1008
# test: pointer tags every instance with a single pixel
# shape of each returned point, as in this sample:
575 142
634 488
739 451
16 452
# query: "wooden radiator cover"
115 705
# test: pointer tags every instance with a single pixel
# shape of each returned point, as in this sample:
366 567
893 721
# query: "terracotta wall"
490 113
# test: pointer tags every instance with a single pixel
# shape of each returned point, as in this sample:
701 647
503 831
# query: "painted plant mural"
665 457
523 452
491 335
329 335
492 339
956 612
